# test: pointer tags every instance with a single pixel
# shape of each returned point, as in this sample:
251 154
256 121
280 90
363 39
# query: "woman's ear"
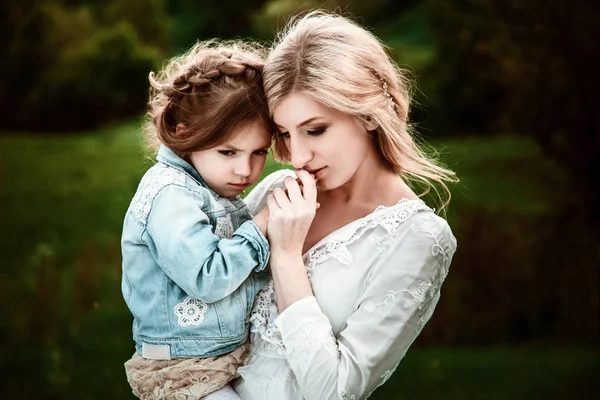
179 129
370 124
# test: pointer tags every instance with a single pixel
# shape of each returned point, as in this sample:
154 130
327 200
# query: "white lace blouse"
376 282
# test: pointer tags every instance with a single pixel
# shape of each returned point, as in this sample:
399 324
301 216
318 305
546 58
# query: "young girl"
193 256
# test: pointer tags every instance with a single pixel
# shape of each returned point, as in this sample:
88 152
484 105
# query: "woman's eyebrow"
301 124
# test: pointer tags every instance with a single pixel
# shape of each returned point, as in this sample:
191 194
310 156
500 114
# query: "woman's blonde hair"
342 66
214 89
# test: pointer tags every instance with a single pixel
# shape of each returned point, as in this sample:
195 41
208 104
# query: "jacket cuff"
251 232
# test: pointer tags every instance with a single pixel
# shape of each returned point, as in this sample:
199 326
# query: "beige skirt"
182 378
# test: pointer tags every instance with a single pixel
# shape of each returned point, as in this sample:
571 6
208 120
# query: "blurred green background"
508 96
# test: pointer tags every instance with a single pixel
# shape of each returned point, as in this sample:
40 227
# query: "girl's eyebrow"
229 147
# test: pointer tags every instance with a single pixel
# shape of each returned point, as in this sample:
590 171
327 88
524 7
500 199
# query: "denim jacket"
192 263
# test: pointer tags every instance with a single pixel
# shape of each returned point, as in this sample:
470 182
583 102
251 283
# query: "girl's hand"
291 214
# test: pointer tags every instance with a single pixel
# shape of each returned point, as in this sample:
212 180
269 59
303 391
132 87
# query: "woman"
353 288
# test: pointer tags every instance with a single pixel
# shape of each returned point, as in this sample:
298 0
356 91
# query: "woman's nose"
300 154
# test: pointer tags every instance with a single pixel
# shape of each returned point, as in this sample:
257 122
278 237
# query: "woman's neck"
373 184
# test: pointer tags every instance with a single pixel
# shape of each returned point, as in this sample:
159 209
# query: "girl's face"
233 166
326 142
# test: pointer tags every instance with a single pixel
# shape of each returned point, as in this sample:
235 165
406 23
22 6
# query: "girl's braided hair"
214 90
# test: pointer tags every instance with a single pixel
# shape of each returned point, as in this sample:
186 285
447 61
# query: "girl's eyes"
229 153
284 135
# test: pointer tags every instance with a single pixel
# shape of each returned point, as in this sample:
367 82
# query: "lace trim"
389 221
190 312
346 396
264 312
182 378
424 293
224 228
389 299
262 319
386 375
157 177
418 292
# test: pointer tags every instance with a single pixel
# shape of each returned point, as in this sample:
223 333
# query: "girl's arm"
205 266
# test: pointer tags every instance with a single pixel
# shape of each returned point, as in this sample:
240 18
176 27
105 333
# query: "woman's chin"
325 185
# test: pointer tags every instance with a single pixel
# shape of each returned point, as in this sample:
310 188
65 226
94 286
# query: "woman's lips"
317 172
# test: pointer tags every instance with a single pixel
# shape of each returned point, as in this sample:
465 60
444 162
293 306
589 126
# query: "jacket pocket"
231 314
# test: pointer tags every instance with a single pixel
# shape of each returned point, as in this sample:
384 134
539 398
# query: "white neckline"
331 237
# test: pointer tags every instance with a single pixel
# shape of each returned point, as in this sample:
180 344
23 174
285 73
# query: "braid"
196 76
183 90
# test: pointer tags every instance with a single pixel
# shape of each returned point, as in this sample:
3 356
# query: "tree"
528 67
77 64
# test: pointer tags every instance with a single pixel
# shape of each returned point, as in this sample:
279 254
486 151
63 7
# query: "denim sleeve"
205 266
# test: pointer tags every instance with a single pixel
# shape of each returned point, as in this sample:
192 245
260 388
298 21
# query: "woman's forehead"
298 108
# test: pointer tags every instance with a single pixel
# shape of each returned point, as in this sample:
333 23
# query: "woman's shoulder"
428 218
417 225
408 221
413 236
405 224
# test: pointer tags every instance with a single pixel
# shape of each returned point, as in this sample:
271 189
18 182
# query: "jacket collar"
169 157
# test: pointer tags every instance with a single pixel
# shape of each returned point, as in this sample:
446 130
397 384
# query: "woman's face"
326 142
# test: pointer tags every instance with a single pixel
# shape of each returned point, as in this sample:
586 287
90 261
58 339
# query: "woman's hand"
291 214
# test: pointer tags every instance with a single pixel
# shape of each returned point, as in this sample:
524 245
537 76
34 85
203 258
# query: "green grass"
503 173
67 330
494 374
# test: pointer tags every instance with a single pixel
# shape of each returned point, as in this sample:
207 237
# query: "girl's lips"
240 185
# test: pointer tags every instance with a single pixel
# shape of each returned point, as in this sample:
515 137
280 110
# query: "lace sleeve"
399 298
257 198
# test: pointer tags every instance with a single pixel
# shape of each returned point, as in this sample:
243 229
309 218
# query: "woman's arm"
399 298
290 217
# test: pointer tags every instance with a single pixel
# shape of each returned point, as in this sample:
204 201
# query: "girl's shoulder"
157 178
